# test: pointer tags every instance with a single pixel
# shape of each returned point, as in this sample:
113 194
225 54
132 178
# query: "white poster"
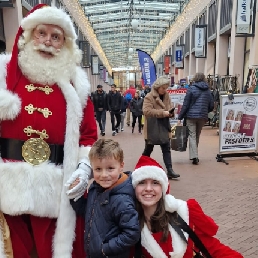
94 64
199 42
177 98
243 16
159 69
238 123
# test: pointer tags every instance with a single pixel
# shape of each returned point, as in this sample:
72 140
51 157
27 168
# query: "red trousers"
27 231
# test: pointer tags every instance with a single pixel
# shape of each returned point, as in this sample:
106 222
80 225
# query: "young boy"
111 220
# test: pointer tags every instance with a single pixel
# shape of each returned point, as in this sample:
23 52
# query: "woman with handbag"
165 220
157 108
198 102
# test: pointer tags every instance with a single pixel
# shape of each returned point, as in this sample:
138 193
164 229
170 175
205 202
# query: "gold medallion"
35 151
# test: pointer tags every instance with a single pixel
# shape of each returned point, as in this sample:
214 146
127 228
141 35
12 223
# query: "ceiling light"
135 23
130 50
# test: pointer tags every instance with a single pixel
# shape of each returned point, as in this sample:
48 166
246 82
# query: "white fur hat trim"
50 15
152 172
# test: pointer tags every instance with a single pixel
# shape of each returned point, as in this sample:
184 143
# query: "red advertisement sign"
167 64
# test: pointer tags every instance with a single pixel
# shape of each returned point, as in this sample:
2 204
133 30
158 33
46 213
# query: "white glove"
83 173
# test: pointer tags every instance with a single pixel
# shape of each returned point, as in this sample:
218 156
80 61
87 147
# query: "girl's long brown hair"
159 221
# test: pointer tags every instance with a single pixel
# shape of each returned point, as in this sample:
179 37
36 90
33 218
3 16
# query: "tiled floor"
228 193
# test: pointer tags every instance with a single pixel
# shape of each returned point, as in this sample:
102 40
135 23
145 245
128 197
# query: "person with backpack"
129 94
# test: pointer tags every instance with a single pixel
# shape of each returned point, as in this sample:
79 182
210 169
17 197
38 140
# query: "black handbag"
179 142
157 130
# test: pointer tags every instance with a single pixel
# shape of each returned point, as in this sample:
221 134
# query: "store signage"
177 98
167 60
101 71
179 63
94 64
243 16
159 69
85 48
238 123
200 41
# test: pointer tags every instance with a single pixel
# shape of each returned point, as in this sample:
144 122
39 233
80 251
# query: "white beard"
43 70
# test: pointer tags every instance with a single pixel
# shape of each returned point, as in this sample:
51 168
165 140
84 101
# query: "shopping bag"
179 142
157 130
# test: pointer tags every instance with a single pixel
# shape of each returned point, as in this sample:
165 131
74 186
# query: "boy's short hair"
106 148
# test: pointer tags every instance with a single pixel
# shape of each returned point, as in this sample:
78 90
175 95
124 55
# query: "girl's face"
148 192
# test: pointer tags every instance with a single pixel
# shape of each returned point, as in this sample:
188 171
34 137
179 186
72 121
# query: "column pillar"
237 50
221 48
12 18
210 59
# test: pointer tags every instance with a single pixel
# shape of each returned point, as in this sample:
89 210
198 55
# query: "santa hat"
40 14
147 167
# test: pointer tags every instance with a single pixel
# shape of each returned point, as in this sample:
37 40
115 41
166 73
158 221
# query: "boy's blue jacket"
111 220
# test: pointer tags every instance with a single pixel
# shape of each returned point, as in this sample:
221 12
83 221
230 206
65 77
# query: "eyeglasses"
43 35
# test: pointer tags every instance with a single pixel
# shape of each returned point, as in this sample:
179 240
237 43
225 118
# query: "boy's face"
106 171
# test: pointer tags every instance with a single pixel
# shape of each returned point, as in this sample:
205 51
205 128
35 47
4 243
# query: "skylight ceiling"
113 23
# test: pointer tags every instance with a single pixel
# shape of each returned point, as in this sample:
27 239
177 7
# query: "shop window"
212 21
226 15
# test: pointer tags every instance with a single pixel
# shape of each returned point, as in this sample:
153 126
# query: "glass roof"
123 24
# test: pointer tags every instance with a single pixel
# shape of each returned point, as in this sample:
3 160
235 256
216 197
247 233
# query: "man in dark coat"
114 107
99 99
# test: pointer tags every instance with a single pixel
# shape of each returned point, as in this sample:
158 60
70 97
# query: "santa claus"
47 127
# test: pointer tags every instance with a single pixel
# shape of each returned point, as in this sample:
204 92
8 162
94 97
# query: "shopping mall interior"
110 32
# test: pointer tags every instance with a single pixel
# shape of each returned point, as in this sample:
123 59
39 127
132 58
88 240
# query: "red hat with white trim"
148 168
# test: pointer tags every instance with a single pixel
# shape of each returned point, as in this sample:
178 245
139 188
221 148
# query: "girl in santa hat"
164 220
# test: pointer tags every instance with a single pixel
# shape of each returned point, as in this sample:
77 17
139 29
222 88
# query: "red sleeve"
88 129
205 228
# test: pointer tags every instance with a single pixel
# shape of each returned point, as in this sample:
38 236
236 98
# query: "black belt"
12 149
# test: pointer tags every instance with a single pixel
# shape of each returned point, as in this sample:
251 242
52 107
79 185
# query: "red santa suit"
190 211
65 114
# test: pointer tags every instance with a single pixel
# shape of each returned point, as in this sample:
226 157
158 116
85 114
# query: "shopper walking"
114 107
157 105
129 94
136 109
198 102
99 99
123 112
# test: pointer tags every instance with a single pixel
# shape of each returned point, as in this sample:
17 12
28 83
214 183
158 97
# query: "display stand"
238 127
220 157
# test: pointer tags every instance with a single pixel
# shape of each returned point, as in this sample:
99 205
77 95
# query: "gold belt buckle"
35 151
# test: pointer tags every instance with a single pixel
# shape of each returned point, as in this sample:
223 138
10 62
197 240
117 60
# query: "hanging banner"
94 64
177 98
200 41
147 67
238 123
159 69
104 73
101 71
167 61
243 16
179 63
106 76
85 48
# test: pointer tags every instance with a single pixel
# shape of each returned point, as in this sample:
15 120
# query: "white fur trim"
4 60
171 203
10 105
82 85
179 246
152 172
50 15
19 189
